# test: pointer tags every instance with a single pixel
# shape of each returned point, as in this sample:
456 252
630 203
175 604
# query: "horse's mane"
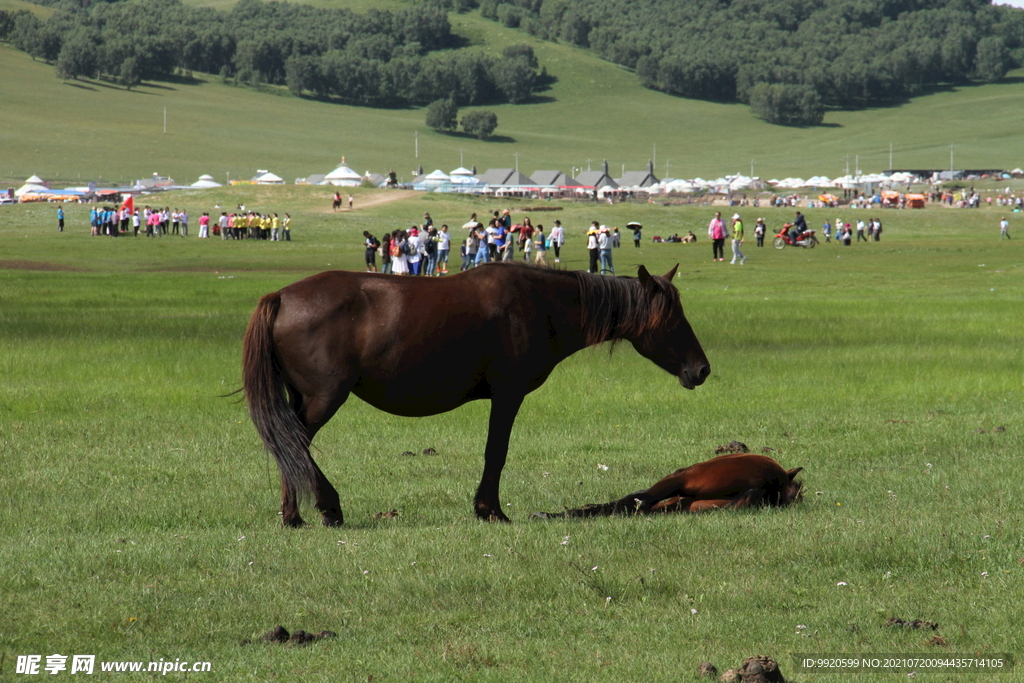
613 308
617 307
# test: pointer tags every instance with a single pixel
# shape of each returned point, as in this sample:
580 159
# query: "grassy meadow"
140 511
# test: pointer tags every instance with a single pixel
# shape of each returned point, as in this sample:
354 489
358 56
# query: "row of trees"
464 76
849 53
381 57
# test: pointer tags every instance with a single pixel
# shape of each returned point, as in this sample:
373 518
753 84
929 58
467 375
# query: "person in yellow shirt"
275 229
265 227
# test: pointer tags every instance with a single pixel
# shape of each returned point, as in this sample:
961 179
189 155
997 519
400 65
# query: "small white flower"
603 468
488 555
693 610
986 536
242 538
594 568
800 626
251 563
841 583
366 571
984 575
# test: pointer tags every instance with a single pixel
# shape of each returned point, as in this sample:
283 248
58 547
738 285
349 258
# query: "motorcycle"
807 240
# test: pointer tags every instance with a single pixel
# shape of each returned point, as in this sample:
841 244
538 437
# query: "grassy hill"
594 111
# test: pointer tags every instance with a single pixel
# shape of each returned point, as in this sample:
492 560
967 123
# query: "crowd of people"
425 250
156 222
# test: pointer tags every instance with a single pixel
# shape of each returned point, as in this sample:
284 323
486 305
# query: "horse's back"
390 337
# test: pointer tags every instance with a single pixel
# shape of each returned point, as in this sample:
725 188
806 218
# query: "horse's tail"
272 403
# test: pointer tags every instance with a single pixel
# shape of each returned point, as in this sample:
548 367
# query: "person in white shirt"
444 245
557 239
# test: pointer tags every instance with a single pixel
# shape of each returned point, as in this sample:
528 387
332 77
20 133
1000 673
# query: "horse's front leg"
503 415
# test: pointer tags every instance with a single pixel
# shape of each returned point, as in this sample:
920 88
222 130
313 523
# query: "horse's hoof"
333 520
293 522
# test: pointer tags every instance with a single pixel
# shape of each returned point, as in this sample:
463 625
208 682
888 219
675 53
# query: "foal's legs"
503 415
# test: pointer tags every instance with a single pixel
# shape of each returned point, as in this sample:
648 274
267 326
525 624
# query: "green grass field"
595 111
140 511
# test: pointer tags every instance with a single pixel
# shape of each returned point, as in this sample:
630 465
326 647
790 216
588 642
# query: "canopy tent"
914 200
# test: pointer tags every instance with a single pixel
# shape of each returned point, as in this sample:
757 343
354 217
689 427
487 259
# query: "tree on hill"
78 57
480 123
786 105
442 115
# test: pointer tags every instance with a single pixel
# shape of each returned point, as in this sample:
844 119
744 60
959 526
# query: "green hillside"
595 111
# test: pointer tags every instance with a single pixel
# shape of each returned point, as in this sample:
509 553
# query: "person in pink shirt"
717 233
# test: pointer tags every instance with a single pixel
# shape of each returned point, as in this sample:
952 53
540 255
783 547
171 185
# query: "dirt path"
375 199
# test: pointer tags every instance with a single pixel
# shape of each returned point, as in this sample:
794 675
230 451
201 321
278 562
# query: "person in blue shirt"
60 218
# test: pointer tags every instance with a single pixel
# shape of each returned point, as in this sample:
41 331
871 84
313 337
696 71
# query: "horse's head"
668 340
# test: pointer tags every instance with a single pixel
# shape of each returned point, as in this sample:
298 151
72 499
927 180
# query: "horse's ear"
793 472
672 273
644 276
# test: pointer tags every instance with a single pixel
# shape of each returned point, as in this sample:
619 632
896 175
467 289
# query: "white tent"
206 181
682 185
268 178
32 184
343 176
902 177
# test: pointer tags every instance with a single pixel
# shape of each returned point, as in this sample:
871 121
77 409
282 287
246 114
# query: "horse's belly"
419 398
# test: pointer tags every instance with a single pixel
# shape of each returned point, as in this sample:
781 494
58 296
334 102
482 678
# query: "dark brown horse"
736 480
494 332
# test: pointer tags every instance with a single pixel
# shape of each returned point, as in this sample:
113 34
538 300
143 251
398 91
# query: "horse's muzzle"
692 378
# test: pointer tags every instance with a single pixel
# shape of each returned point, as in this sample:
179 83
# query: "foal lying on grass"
736 480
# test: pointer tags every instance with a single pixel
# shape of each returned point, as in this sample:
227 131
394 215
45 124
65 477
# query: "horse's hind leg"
316 411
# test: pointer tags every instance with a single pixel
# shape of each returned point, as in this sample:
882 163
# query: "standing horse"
496 331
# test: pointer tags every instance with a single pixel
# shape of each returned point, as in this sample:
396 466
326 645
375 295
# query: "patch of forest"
380 58
788 59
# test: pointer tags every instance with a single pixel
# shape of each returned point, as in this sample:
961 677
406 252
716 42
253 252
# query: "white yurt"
343 176
32 184
264 177
206 181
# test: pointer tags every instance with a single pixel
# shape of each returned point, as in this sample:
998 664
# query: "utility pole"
516 155
461 151
654 155
751 169
951 161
